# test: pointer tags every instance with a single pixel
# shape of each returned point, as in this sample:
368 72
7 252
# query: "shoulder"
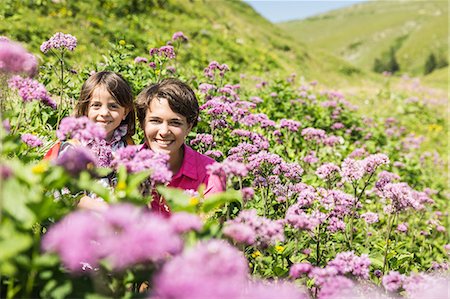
200 159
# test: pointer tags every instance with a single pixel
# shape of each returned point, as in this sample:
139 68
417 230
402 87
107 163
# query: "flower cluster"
81 129
349 263
370 217
87 237
164 51
140 59
393 281
327 171
203 141
313 134
183 222
179 36
14 59
212 269
401 197
251 229
299 219
214 66
59 41
76 159
353 170
290 125
228 168
30 89
136 160
31 140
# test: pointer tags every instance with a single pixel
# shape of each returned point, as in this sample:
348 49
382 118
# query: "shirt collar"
189 166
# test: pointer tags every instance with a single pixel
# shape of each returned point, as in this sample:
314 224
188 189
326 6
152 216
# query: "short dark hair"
179 95
119 89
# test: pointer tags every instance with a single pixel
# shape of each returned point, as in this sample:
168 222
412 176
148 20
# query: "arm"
90 203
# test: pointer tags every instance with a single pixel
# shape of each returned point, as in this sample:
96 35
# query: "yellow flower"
279 248
434 127
193 201
122 42
39 168
121 185
256 254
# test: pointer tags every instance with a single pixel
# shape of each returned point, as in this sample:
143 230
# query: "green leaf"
136 179
87 183
177 199
219 199
12 242
15 198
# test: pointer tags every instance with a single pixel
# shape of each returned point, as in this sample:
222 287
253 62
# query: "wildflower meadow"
321 201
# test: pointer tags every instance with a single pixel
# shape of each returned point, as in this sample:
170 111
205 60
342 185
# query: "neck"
176 160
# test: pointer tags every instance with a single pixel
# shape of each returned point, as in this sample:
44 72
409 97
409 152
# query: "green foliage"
32 201
361 33
430 64
387 64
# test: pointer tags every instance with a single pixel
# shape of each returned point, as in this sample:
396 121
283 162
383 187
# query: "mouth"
163 142
103 123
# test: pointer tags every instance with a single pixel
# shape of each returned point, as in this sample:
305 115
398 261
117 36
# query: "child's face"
105 111
165 130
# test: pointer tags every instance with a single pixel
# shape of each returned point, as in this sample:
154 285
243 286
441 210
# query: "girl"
167 112
106 99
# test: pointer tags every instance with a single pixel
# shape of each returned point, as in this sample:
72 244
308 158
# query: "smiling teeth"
165 142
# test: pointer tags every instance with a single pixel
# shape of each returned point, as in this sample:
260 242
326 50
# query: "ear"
126 113
189 129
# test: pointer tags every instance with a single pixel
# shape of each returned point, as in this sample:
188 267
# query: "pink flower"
240 233
179 36
370 217
139 59
270 290
313 134
60 41
30 89
31 140
327 171
81 129
123 235
393 281
136 160
298 270
183 222
212 269
402 227
14 59
76 159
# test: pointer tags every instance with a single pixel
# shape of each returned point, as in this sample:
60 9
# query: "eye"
176 123
154 121
114 106
95 104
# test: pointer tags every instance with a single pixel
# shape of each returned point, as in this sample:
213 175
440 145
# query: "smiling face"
166 130
105 111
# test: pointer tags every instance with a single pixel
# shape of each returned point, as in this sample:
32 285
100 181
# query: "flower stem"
390 224
19 118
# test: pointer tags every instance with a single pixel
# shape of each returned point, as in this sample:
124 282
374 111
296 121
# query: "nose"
164 129
104 110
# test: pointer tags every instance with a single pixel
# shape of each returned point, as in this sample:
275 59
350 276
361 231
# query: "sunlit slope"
366 31
230 32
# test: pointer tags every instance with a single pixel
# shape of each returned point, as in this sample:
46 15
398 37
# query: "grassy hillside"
228 31
366 31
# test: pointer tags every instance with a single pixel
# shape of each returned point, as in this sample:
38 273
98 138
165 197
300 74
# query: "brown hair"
179 95
119 89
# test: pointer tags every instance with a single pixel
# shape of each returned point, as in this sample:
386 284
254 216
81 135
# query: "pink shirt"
193 173
190 176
